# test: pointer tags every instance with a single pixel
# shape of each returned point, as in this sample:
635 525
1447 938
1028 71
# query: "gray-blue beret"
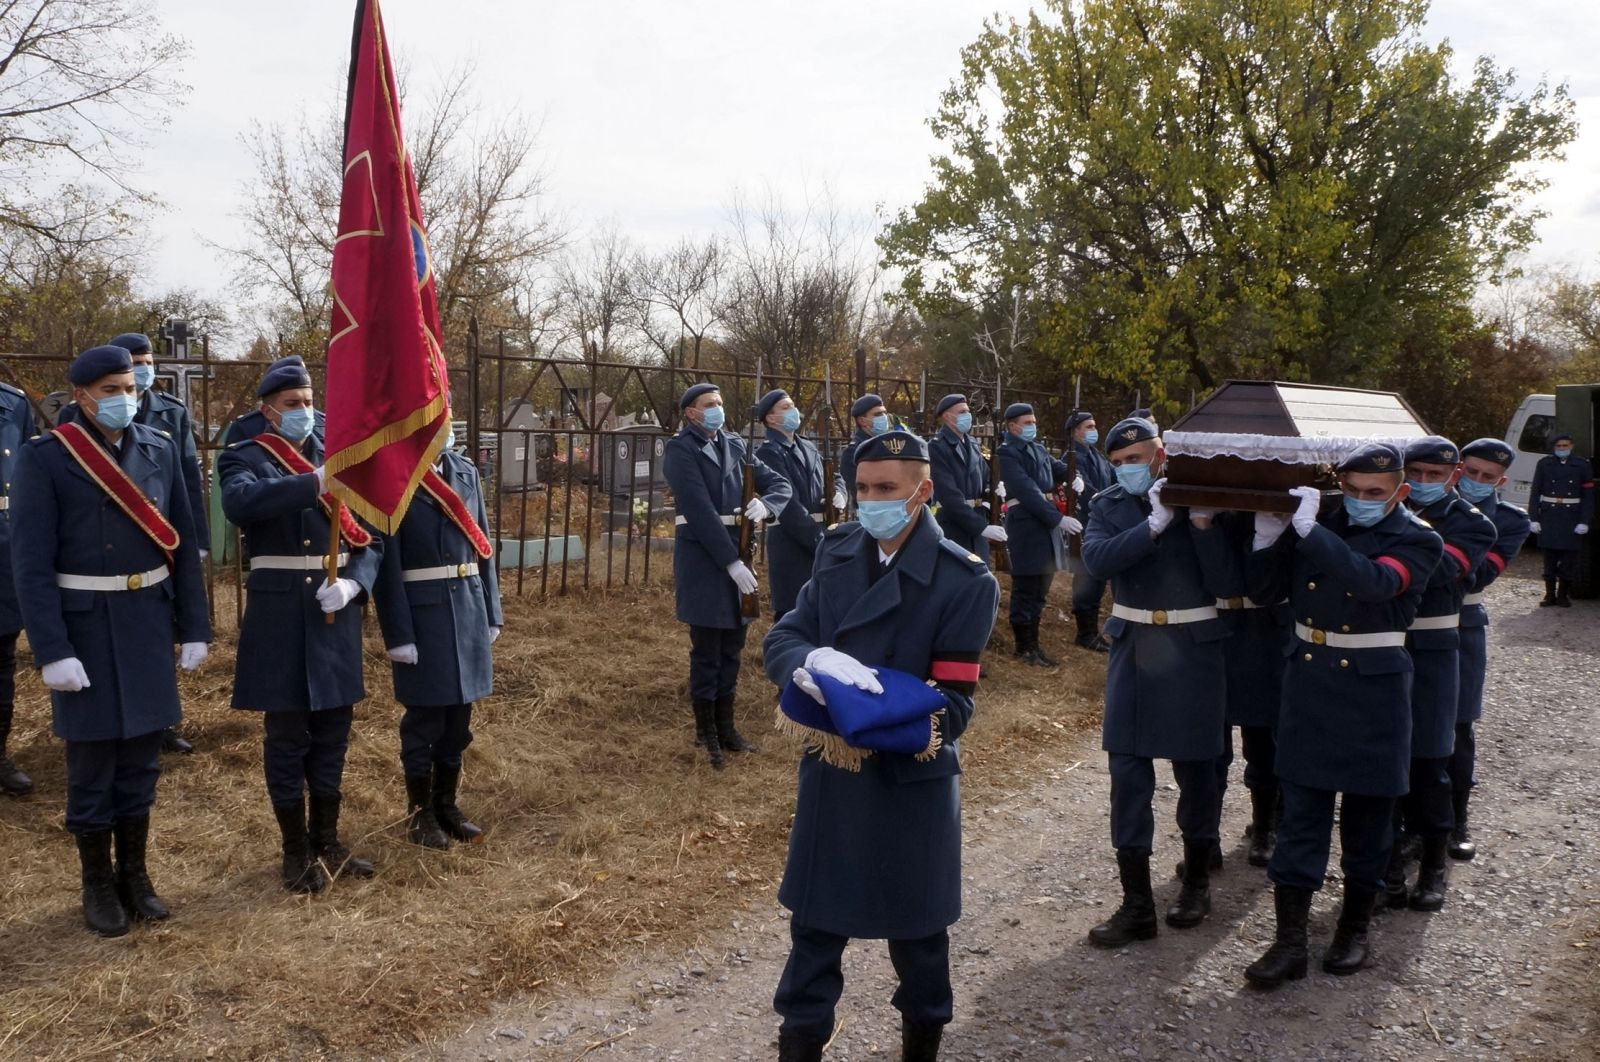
895 445
694 392
283 374
97 362
864 405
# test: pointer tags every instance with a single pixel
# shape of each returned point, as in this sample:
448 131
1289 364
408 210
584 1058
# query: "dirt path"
1505 970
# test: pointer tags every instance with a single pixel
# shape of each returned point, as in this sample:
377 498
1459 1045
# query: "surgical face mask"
711 418
791 420
1091 437
1475 492
880 424
143 376
115 412
1426 494
1562 452
963 422
296 424
1030 432
884 519
1365 512
1135 478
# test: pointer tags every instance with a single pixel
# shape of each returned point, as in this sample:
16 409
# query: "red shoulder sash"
456 510
110 477
292 460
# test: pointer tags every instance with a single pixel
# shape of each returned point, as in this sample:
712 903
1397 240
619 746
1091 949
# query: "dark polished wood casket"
1248 443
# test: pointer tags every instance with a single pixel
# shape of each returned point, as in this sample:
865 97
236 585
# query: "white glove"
322 479
1305 517
65 675
192 654
494 635
404 654
1160 515
844 667
742 577
1533 525
808 685
205 555
994 533
1077 484
1071 525
1000 490
757 511
839 500
1582 529
1269 528
337 594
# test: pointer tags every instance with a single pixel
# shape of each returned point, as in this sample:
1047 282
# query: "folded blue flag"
856 722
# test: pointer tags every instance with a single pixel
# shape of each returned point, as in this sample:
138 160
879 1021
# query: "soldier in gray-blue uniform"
1165 676
792 541
876 853
16 428
871 417
255 422
1354 580
961 480
1484 463
1432 464
169 415
1095 471
103 595
302 673
704 466
1561 501
1034 527
438 602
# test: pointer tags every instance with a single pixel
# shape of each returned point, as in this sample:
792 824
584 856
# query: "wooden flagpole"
333 553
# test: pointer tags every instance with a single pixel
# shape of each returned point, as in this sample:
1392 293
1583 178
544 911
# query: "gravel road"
1506 970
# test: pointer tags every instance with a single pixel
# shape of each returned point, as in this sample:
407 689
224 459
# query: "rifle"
830 512
1067 500
999 559
749 604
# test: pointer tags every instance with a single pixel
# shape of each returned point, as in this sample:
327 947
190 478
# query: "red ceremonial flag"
387 396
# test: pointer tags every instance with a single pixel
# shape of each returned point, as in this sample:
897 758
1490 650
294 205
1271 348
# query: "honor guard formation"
883 598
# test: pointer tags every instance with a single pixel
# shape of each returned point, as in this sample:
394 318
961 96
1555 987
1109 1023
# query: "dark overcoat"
16 428
1097 475
791 541
847 463
876 853
62 521
960 478
447 619
167 414
1511 527
1033 523
1258 637
1561 498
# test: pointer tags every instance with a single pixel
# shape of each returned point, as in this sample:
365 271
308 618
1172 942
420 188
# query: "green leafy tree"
1180 192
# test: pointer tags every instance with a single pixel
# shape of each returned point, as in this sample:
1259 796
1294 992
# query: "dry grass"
607 835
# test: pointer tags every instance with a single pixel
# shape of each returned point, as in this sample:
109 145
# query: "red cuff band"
953 671
1498 561
1461 559
1399 567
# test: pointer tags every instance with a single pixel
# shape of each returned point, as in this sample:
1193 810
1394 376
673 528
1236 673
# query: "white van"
1529 435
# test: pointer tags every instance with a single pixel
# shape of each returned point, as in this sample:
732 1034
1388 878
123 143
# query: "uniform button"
1311 586
306 542
8 453
108 547
1345 628
1344 663
1310 621
1308 657
308 580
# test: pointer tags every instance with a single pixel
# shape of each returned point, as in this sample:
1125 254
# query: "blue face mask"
143 377
880 424
1563 452
116 411
711 418
1030 432
1364 512
1091 437
1475 492
791 420
1426 494
963 422
296 424
883 519
1135 479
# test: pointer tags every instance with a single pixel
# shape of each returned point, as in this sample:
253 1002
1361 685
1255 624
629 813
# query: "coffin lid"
1291 422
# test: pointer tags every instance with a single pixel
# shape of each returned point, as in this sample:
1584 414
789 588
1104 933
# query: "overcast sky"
656 112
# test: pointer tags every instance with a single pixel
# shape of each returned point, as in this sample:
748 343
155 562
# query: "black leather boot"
423 825
446 780
705 727
1348 952
792 1047
134 889
1038 650
1564 594
1136 918
13 782
1263 825
919 1041
172 741
1194 899
1549 594
1215 862
1020 633
1286 959
1462 846
1434 876
729 738
102 911
323 831
301 871
1089 636
1395 895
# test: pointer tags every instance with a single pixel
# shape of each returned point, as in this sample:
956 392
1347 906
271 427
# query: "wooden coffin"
1248 443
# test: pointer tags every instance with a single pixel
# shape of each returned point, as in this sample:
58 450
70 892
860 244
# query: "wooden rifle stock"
1067 501
999 559
749 604
831 514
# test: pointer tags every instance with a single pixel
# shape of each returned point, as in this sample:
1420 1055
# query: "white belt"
1162 616
1380 640
1473 599
820 518
136 581
5 503
1229 603
729 520
295 564
1558 501
444 571
977 503
1437 623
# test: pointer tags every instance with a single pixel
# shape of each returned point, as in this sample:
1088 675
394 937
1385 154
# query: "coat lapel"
914 563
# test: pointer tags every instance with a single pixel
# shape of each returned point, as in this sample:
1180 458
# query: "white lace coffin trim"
1288 449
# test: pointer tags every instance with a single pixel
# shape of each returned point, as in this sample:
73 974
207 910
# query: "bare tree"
678 297
596 287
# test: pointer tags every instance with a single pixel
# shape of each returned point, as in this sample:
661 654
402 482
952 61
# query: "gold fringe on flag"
835 751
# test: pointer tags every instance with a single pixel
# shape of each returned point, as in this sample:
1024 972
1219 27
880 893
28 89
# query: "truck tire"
1586 579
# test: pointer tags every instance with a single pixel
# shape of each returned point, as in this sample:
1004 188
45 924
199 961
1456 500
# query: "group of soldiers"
106 522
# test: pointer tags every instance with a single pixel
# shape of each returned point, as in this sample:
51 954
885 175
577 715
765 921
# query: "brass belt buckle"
1159 617
135 581
461 571
1236 602
1319 637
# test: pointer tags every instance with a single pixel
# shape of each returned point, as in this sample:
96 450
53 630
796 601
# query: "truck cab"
1529 438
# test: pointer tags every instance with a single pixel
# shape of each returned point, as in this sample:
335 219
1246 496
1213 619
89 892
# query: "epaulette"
241 442
1419 521
13 389
1513 506
972 559
843 527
